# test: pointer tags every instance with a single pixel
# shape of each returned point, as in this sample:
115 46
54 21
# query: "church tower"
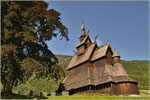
84 41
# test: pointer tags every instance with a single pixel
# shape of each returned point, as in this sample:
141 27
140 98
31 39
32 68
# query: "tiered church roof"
101 73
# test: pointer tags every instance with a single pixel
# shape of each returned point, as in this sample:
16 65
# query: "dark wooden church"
96 69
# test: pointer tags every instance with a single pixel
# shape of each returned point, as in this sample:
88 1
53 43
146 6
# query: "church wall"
112 89
89 90
107 59
98 62
124 88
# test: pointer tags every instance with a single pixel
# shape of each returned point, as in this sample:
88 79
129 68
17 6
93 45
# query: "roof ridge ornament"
115 53
88 32
82 21
82 28
95 38
108 42
74 51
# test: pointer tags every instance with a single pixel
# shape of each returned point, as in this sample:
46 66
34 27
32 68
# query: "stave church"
97 69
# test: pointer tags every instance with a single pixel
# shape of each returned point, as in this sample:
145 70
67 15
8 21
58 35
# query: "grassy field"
143 95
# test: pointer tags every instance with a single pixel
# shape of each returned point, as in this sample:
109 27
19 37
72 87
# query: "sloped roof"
77 79
82 58
100 52
98 75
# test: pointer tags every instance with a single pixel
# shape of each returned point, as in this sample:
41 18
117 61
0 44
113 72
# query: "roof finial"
74 51
108 42
88 32
82 28
95 38
82 21
115 53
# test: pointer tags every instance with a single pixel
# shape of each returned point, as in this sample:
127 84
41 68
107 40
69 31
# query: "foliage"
41 85
26 26
63 61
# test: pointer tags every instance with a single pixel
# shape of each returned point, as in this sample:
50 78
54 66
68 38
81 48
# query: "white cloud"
99 42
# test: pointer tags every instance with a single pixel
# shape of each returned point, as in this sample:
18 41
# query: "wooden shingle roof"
98 75
76 60
100 52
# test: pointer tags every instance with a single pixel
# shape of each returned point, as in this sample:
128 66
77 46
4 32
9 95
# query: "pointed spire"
88 32
82 21
82 28
83 33
115 54
108 42
95 38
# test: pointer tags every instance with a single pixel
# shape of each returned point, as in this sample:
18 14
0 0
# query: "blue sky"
123 23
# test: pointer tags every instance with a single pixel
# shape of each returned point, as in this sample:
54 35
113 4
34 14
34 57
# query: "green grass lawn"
143 95
96 97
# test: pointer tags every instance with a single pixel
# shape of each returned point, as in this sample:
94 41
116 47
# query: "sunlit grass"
96 97
143 95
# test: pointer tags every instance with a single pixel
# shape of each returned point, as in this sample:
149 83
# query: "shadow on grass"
16 96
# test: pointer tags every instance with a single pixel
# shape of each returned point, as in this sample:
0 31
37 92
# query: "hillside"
137 69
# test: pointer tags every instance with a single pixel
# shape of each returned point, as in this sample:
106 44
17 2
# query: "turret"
116 56
83 33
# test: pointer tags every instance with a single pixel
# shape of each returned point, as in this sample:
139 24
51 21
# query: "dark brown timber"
98 70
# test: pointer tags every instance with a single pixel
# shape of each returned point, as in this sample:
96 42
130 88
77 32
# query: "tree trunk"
7 87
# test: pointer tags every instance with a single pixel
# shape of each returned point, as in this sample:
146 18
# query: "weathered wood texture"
108 88
98 70
125 88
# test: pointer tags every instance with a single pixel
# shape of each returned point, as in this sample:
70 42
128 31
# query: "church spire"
83 33
82 28
115 54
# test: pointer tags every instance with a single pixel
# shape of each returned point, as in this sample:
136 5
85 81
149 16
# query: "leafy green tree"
26 26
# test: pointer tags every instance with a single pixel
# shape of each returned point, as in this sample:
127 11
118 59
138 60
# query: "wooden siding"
125 88
99 89
108 88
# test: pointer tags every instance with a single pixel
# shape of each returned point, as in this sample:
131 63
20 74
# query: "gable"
109 52
101 52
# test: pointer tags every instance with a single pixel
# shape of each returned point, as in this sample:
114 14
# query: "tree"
26 27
